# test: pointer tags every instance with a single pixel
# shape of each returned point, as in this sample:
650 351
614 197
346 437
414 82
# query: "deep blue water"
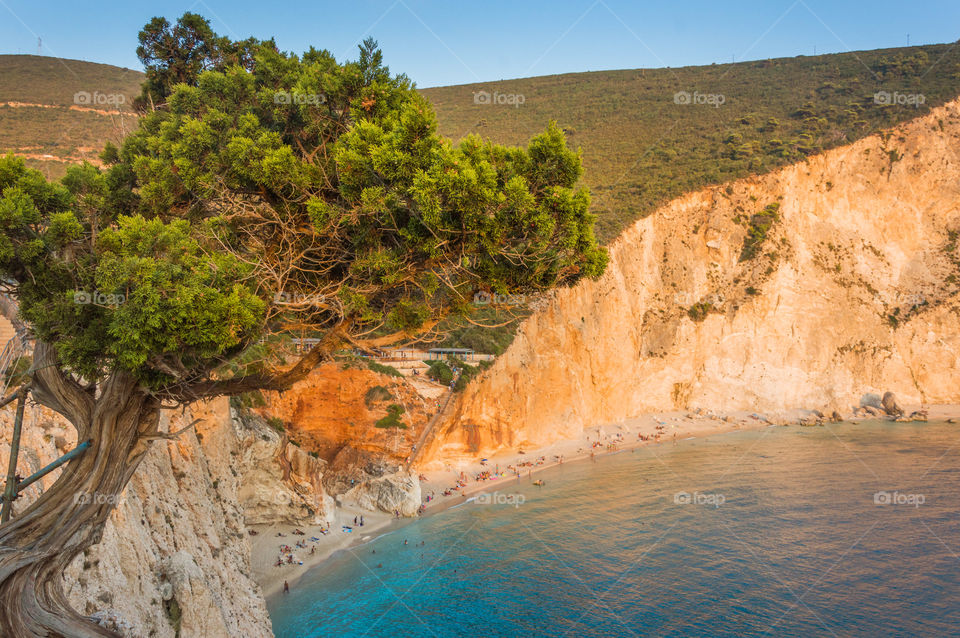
783 537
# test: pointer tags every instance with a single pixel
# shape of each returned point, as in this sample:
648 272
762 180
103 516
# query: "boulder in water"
870 400
890 405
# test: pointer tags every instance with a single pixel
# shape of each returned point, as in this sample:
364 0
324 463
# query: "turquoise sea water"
844 530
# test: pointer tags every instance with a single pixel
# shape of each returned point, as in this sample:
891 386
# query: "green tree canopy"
280 193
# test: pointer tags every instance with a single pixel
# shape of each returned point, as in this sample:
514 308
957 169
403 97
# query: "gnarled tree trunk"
120 419
38 544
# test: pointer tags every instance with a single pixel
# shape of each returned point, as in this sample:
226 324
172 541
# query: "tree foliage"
274 193
172 54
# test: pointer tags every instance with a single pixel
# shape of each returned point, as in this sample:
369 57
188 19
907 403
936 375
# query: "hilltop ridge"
648 135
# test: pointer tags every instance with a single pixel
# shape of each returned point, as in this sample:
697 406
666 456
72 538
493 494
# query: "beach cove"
676 427
792 502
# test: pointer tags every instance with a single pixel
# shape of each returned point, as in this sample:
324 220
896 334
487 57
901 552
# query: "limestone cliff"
280 483
175 557
849 286
339 404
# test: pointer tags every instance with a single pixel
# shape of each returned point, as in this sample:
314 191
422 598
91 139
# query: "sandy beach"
595 441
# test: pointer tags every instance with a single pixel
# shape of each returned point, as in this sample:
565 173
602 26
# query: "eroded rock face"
352 465
280 483
398 492
371 481
339 404
852 291
175 553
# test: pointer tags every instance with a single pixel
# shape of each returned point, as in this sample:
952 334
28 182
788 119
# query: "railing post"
10 492
39 474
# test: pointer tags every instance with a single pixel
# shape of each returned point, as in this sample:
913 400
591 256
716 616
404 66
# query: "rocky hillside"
341 414
340 405
175 559
175 555
803 288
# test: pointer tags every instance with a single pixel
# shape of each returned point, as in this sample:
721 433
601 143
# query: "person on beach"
361 520
286 587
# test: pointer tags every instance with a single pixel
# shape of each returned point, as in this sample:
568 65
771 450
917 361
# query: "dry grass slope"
40 120
641 148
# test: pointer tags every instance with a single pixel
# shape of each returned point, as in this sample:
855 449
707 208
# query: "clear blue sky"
439 42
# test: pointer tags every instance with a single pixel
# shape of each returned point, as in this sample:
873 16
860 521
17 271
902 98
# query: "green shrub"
760 225
699 311
392 420
376 393
440 372
383 369
277 424
248 400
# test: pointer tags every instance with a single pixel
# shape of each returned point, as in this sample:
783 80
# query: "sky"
443 42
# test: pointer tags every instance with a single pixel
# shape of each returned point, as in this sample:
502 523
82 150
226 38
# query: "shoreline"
677 426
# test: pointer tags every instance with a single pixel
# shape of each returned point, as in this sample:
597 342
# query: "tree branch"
55 389
275 380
